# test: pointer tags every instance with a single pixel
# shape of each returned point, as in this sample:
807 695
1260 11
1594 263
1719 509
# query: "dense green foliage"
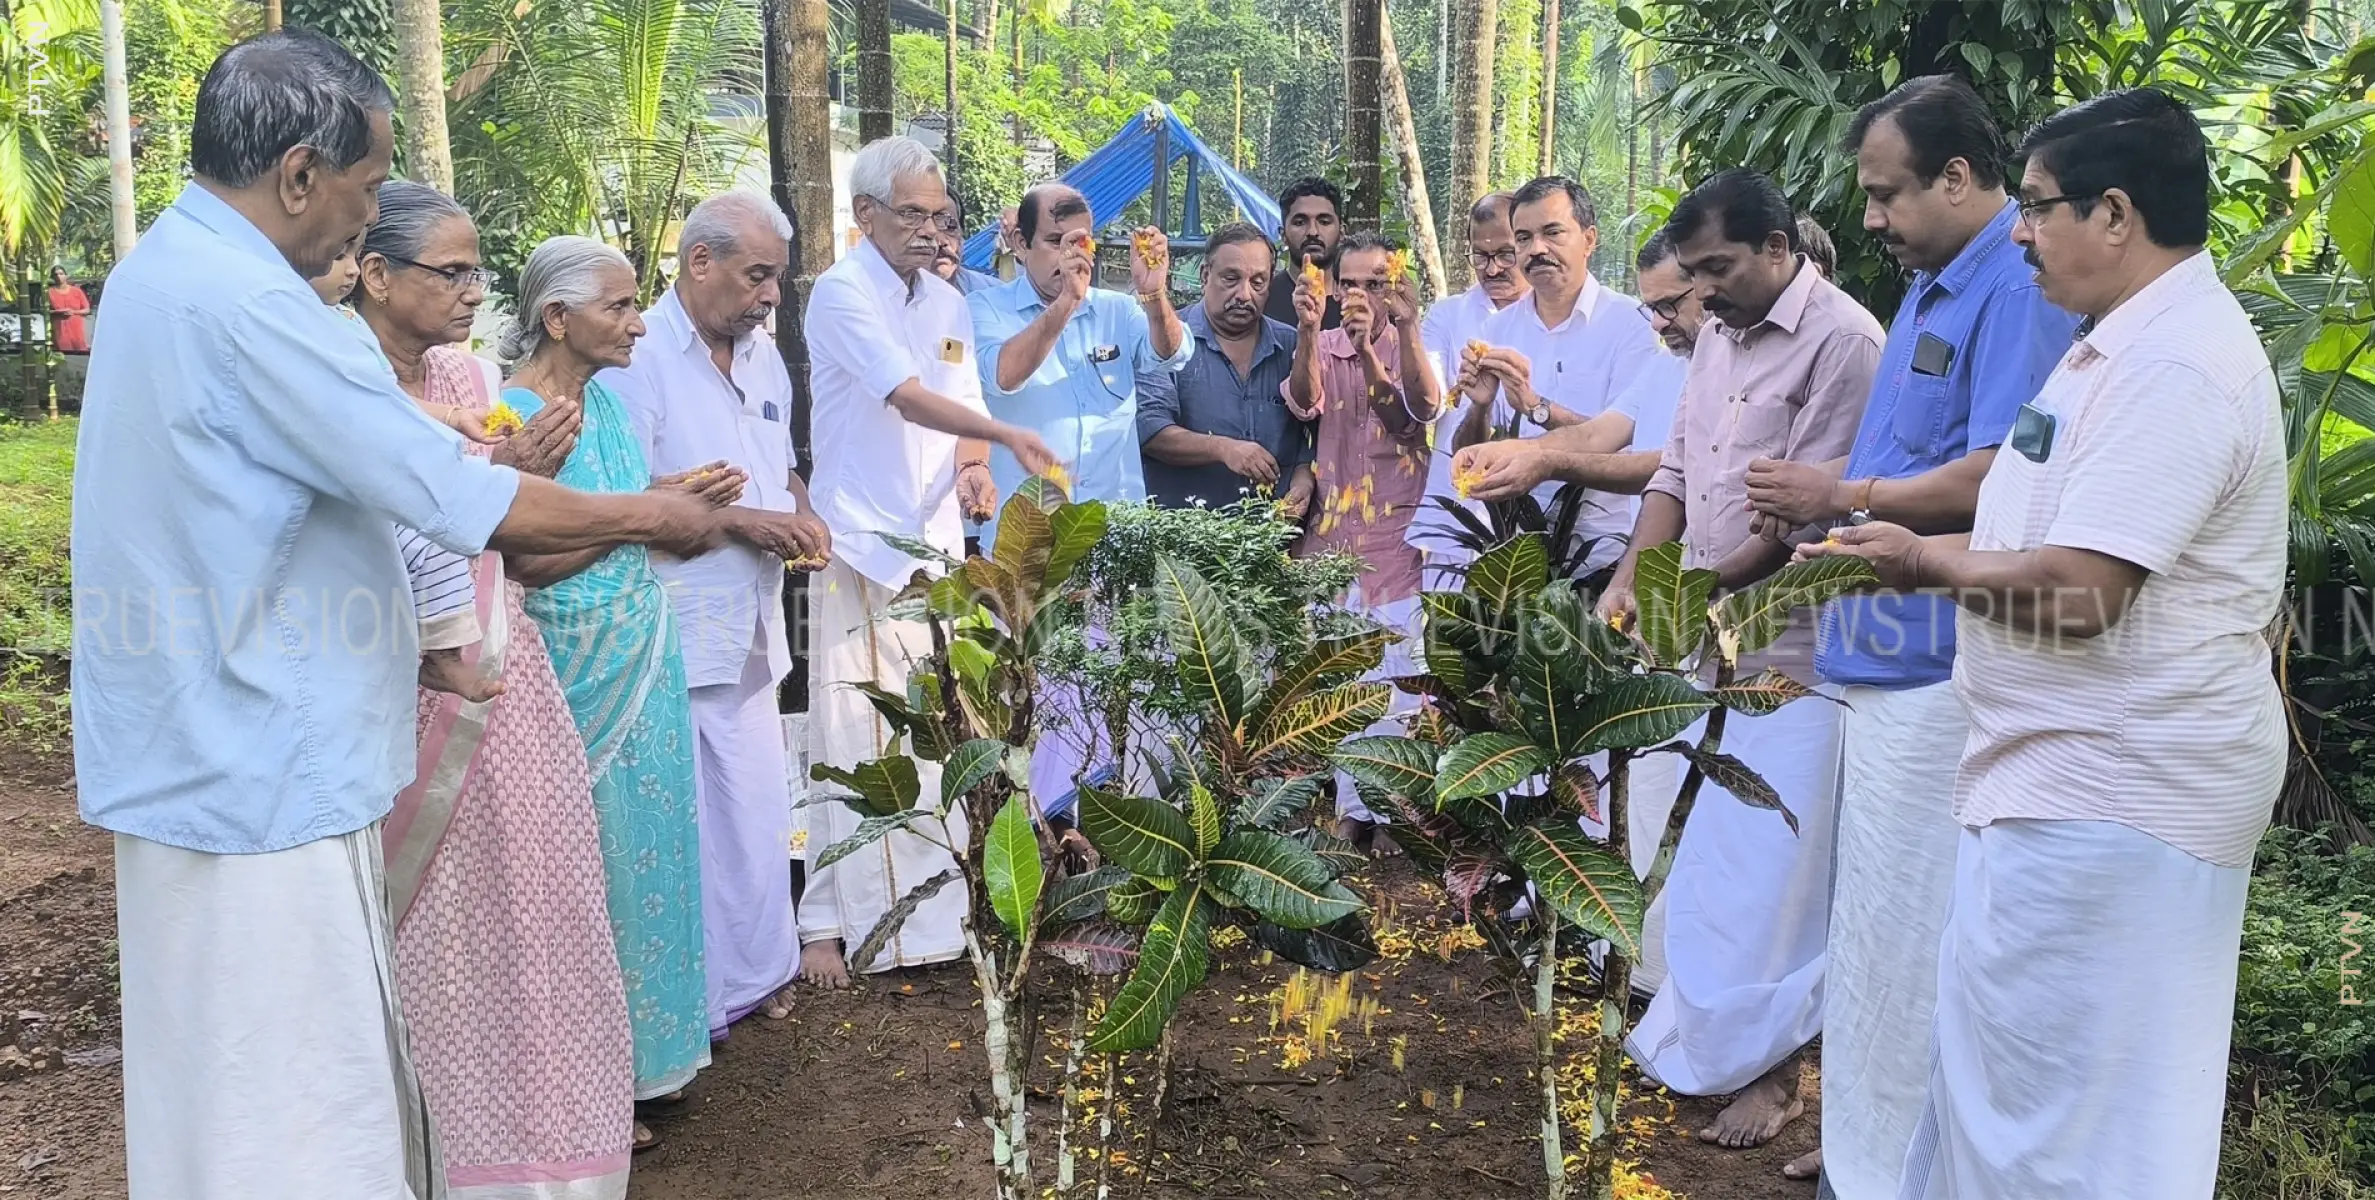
36 613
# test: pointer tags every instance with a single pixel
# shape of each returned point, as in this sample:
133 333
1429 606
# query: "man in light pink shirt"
1780 371
2127 738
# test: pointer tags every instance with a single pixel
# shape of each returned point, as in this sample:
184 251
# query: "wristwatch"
1861 514
1539 415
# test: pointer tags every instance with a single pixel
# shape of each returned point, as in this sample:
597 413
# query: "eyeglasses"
460 279
913 217
1505 259
2032 211
1664 310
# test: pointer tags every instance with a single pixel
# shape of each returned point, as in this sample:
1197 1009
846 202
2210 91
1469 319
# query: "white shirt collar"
1585 305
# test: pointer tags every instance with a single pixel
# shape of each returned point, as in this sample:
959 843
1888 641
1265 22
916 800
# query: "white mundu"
2114 787
876 473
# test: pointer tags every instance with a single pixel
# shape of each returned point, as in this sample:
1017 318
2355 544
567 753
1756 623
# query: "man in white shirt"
1559 356
895 390
1492 255
707 391
2127 738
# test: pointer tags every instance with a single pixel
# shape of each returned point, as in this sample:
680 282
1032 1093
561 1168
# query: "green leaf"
1759 614
1484 763
2351 220
1010 867
1585 651
1589 887
1077 898
967 766
916 548
1211 658
1979 56
1341 945
1132 901
895 916
1274 801
996 588
1171 962
1279 879
1328 659
883 785
868 832
1038 492
1576 789
1316 724
1026 538
1503 577
1740 779
1204 816
1640 712
1149 837
1672 604
1762 693
1076 529
1398 766
952 598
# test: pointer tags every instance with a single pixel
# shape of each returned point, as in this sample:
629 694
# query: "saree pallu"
612 641
504 958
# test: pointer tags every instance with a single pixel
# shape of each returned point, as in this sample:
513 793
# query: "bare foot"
1805 1167
1760 1111
821 965
778 1006
444 671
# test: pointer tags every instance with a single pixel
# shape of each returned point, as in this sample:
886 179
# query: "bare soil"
1423 1091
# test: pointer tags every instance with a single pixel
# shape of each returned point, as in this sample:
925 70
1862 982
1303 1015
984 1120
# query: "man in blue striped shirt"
1972 342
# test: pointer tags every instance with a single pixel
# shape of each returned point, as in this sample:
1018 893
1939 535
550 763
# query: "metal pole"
118 97
1237 129
1162 180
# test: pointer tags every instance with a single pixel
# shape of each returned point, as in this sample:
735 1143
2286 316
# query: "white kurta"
2086 994
264 1054
1745 913
1893 875
847 899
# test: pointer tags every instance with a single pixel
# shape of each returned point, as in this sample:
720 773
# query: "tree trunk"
874 70
1442 48
1074 1041
1547 163
800 171
1365 206
271 15
1546 1053
988 13
420 86
948 68
1415 201
1010 1105
118 99
1472 124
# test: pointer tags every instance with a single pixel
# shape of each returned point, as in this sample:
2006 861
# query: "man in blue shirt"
1972 342
245 647
1218 429
1061 358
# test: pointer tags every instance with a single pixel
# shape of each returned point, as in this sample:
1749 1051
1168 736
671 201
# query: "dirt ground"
1420 1091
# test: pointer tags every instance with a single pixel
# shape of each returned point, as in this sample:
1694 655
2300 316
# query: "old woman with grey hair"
707 391
510 1004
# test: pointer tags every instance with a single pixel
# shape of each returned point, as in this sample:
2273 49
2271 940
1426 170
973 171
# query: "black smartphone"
1932 355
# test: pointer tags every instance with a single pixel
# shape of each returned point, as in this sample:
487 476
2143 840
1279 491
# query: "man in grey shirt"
1218 428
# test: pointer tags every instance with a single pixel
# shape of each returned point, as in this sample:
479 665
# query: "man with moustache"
1450 323
1311 222
1218 429
240 440
2127 735
1562 353
900 436
1781 370
1972 342
707 391
1062 359
948 228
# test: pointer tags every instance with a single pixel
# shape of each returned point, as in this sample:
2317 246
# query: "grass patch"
36 614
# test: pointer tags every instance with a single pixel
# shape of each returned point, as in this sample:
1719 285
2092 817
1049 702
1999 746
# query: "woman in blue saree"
613 643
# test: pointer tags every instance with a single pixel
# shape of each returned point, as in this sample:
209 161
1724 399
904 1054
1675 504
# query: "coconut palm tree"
49 65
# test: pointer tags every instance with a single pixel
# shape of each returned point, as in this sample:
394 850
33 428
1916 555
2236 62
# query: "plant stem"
1113 1083
1010 1107
1599 1159
1071 1097
1546 1062
1685 799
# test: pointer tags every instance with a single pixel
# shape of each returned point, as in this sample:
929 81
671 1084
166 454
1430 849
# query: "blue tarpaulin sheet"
1122 170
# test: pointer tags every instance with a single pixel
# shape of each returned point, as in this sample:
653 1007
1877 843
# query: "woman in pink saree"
505 966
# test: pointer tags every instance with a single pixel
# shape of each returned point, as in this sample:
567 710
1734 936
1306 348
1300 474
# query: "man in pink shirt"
1781 371
1370 390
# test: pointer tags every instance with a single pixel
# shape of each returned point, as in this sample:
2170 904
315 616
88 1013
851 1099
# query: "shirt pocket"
1760 427
1923 416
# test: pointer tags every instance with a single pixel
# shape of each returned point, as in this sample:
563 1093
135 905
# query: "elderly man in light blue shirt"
245 648
1060 358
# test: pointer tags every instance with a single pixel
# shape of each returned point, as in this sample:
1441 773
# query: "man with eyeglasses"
707 391
2128 738
948 229
1972 342
1449 324
1561 354
1062 358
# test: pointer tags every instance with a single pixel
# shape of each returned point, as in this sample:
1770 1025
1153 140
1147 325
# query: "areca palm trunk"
1362 50
1415 200
1550 88
1472 125
118 101
420 81
800 170
874 70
